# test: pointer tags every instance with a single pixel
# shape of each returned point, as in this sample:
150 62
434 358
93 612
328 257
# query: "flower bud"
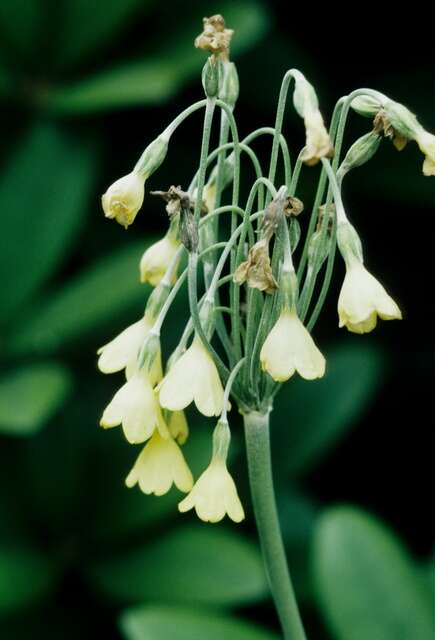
153 156
124 198
359 153
229 86
318 249
318 143
211 77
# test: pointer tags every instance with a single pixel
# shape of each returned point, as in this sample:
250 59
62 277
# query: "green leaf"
159 77
87 302
173 623
29 396
312 416
88 26
197 564
44 188
26 577
368 586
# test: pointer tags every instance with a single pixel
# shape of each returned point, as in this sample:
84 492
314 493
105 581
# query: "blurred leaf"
29 396
89 25
85 303
368 586
44 188
159 77
312 416
196 564
26 577
173 623
297 515
21 24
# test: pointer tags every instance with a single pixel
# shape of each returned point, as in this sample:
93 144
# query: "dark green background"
85 85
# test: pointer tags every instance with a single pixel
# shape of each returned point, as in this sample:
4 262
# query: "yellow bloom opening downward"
214 495
135 406
156 260
289 348
124 198
122 351
160 465
426 142
362 299
193 378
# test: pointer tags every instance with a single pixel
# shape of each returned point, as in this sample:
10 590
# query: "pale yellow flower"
178 427
193 378
362 299
214 495
160 465
136 407
426 142
122 351
124 198
157 258
289 348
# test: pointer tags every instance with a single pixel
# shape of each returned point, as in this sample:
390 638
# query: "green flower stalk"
271 263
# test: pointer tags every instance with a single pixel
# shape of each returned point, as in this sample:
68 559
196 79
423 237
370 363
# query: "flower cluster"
254 298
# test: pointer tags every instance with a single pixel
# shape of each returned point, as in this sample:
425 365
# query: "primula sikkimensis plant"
251 278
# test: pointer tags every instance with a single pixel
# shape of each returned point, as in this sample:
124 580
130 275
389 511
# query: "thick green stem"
266 515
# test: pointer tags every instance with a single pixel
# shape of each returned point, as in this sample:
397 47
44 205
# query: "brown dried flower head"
215 38
381 124
257 270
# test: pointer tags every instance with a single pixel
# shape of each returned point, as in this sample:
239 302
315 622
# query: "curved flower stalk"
249 328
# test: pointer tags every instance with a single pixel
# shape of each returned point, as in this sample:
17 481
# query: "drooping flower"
318 143
160 465
288 348
157 258
124 198
214 495
122 352
136 407
426 142
362 299
193 378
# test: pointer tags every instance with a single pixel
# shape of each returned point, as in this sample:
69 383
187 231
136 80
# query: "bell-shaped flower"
122 352
136 407
426 142
214 495
157 258
288 348
160 465
124 198
193 378
362 299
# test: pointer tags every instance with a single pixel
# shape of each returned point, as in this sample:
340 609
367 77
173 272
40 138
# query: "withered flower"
257 270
